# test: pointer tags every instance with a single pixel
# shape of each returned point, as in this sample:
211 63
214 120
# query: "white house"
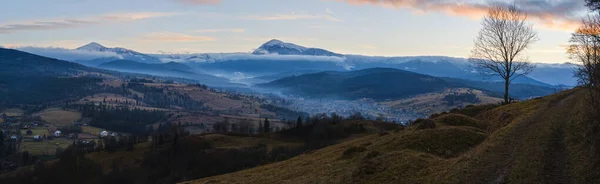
36 137
103 133
57 133
14 137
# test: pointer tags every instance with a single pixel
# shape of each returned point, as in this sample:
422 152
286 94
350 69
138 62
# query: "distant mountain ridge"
376 83
387 83
276 57
123 53
279 47
171 69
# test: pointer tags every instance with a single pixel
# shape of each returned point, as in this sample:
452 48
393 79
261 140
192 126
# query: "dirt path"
531 150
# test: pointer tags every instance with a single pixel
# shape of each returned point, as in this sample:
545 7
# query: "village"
34 136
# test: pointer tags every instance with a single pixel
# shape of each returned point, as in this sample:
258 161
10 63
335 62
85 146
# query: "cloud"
77 22
292 16
328 10
199 2
66 54
554 14
174 37
233 30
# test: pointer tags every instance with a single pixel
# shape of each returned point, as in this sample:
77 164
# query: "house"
36 137
29 132
14 137
57 133
103 133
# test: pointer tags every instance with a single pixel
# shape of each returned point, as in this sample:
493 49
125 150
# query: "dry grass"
91 130
12 112
518 144
432 102
225 141
47 147
59 117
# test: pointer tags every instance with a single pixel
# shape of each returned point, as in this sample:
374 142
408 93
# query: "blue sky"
368 27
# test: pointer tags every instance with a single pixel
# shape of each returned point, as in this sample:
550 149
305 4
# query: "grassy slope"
519 143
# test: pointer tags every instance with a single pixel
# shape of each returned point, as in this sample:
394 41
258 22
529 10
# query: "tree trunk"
506 84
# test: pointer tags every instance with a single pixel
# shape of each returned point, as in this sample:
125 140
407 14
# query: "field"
59 117
47 147
12 112
91 130
432 102
41 131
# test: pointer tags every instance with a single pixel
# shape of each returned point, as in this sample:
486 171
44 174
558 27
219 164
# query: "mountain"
123 53
282 48
376 83
23 63
171 69
31 79
389 83
555 74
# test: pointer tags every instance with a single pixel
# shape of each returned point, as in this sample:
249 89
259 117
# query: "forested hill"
389 83
376 83
31 79
18 62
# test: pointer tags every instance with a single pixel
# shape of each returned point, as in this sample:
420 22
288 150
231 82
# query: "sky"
365 27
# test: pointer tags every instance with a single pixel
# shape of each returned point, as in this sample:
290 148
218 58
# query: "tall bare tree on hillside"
584 48
500 46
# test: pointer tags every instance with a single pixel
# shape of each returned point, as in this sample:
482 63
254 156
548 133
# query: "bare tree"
500 45
584 48
593 4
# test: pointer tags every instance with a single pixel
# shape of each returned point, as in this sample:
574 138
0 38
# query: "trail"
538 146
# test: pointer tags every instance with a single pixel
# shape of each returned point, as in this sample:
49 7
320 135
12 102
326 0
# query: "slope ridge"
523 145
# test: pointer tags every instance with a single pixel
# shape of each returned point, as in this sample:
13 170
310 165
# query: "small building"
14 137
103 133
29 132
57 133
36 137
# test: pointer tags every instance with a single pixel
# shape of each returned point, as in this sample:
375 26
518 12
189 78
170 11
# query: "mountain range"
388 83
275 58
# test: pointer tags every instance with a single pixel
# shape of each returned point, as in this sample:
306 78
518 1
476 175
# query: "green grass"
46 147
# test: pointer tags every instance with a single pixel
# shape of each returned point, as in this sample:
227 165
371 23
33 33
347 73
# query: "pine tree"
267 125
299 122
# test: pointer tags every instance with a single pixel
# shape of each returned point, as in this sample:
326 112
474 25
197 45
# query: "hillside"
171 69
388 83
536 141
30 79
376 83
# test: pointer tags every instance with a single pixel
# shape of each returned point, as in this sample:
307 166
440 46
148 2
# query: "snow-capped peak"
275 46
281 44
93 46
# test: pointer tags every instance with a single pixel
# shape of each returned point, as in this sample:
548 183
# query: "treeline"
452 99
164 98
37 90
284 113
121 119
